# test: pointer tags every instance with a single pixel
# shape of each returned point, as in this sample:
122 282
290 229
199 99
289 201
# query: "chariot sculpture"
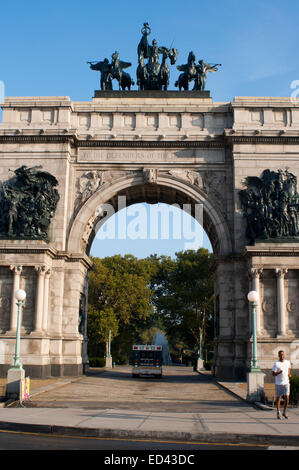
152 72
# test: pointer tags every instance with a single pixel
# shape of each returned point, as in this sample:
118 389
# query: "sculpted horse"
155 76
189 72
172 55
123 78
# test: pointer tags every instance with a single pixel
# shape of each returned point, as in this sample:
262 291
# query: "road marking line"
65 436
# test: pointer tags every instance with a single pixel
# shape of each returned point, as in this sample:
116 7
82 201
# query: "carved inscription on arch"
150 156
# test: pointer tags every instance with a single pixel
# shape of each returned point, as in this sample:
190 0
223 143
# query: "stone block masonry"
154 147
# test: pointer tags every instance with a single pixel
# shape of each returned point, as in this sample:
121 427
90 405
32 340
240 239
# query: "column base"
255 369
14 377
200 363
108 362
255 385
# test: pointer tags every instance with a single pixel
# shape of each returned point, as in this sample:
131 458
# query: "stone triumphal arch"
149 146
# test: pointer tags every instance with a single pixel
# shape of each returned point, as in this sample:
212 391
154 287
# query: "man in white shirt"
282 371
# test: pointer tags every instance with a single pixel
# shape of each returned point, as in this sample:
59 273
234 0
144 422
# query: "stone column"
39 306
16 285
281 318
255 285
46 299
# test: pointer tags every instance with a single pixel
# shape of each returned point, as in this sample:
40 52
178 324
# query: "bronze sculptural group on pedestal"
198 73
270 205
113 70
28 202
153 75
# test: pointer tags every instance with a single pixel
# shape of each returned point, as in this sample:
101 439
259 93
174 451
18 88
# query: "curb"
10 402
228 438
257 404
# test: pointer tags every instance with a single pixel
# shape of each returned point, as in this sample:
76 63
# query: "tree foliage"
119 299
183 296
135 298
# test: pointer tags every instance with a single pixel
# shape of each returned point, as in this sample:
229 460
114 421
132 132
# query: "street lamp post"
255 377
109 343
253 298
16 372
109 357
200 361
20 295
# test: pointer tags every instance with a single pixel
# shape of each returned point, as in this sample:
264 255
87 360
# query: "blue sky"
45 45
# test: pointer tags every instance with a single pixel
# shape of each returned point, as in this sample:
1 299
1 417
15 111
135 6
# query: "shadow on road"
186 375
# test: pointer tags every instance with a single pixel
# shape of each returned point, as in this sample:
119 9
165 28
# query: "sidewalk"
245 424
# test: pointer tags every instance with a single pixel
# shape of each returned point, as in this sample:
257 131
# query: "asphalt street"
181 391
107 409
32 441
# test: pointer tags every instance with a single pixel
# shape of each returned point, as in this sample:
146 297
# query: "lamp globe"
253 296
20 295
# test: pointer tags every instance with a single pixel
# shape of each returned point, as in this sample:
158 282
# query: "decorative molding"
90 181
192 177
279 140
16 269
291 306
267 305
255 272
281 272
87 184
219 141
36 139
150 175
211 142
41 270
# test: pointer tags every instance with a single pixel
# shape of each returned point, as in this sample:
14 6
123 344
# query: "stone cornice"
36 248
272 249
255 139
36 139
211 141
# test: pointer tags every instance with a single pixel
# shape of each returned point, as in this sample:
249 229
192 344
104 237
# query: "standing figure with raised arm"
202 69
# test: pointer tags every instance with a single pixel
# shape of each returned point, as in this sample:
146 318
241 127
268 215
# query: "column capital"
255 271
281 272
41 270
48 273
17 269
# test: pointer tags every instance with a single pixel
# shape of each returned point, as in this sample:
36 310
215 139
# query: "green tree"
99 324
119 299
184 297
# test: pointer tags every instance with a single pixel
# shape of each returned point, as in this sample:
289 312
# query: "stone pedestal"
14 377
200 364
108 362
255 386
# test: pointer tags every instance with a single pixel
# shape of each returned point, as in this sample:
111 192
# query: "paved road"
178 391
31 441
183 406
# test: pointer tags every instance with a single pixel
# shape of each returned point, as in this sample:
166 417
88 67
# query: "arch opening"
107 202
132 191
